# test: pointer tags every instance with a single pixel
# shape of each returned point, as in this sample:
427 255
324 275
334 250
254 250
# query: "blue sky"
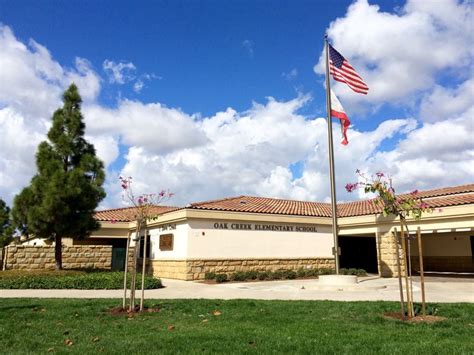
195 59
208 55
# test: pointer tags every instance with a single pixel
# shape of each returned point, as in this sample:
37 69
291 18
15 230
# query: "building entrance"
119 251
359 253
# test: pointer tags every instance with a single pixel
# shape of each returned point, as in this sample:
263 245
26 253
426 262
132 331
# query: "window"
166 242
142 245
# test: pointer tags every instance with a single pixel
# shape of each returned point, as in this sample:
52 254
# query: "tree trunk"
144 266
422 276
399 271
134 269
405 263
127 252
58 252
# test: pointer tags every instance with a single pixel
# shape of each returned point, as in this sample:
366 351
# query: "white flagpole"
331 162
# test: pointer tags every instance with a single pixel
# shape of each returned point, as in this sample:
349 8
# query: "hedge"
279 274
82 280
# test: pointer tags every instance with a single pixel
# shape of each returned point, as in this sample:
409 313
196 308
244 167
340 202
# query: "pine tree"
6 230
62 196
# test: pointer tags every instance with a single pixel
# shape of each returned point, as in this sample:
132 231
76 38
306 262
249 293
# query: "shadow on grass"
32 306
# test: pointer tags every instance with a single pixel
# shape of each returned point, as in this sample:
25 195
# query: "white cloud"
434 155
138 86
29 78
119 73
153 126
251 152
291 75
32 83
446 140
249 47
18 143
85 78
445 102
398 55
403 56
106 146
241 149
122 73
140 82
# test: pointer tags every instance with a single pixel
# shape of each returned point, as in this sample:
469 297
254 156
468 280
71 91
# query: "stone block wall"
171 269
387 255
42 257
195 269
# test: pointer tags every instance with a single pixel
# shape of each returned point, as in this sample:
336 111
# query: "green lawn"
243 326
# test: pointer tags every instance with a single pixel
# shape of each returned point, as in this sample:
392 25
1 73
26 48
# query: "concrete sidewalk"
368 289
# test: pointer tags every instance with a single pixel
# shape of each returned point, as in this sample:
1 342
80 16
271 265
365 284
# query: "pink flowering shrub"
401 206
142 202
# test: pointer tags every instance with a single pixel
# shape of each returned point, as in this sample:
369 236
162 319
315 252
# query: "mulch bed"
416 319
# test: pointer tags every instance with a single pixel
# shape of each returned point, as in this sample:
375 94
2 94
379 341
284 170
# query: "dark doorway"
359 253
119 249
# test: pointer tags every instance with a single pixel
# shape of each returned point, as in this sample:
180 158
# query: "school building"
257 233
246 233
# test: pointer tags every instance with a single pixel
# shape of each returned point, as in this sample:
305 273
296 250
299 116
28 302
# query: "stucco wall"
106 232
444 244
444 252
208 242
180 241
199 247
197 240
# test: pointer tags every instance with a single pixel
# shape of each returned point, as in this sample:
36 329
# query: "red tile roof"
358 208
436 198
265 205
451 196
128 214
445 191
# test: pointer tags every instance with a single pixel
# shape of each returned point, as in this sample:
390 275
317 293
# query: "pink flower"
380 174
414 192
113 221
170 194
351 187
162 193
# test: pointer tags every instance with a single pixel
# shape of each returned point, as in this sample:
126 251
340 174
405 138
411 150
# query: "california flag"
338 111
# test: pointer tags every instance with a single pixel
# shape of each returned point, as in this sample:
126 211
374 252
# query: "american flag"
342 71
